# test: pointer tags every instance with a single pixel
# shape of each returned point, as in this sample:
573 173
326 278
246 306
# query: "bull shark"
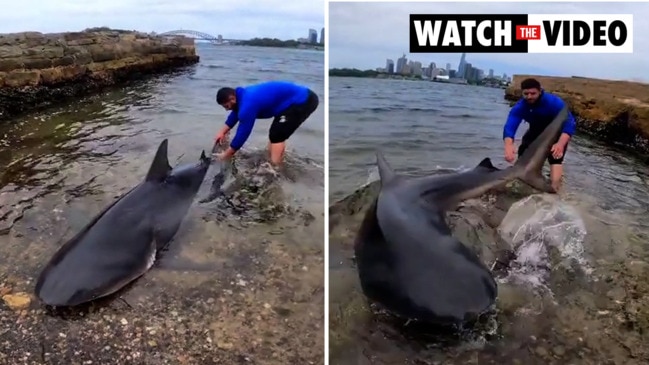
407 259
124 240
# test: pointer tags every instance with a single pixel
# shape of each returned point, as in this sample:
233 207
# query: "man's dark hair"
223 94
530 84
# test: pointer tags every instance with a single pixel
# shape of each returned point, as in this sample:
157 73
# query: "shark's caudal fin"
531 162
160 166
386 173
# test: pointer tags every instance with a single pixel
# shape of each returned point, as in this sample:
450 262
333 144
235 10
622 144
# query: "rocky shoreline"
614 112
38 70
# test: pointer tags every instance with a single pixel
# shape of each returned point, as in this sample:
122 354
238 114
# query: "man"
289 104
538 108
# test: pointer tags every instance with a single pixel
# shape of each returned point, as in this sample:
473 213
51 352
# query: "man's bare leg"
277 153
556 175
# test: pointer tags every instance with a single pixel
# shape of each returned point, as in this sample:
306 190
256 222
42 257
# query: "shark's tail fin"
530 165
386 173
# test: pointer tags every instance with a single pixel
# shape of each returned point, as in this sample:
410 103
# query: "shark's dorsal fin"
160 166
203 156
486 163
386 173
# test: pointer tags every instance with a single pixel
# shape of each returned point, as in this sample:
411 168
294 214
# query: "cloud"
364 35
241 19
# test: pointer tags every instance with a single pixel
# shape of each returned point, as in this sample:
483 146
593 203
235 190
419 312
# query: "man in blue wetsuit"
538 108
289 104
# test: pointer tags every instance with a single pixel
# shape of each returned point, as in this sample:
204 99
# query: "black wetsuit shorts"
285 124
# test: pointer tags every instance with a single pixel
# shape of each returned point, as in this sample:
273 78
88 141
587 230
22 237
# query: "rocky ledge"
615 112
37 70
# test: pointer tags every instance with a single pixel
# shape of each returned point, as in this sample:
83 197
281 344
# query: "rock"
17 301
616 112
37 70
541 352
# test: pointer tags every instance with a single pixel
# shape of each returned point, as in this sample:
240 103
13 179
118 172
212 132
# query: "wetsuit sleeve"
247 118
514 120
232 119
571 125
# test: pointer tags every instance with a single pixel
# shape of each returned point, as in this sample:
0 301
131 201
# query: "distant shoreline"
371 74
278 43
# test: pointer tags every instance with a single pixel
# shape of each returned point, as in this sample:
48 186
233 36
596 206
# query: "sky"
364 35
234 19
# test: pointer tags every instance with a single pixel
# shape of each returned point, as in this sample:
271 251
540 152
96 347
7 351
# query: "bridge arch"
193 34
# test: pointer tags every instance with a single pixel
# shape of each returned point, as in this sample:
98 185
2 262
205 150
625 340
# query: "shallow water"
259 281
596 306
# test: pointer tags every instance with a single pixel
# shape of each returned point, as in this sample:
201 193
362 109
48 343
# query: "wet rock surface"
616 112
38 70
580 315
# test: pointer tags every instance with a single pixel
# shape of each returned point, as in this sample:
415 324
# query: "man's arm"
514 120
230 122
569 127
247 118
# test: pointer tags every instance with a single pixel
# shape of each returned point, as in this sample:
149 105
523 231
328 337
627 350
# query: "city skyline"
240 20
358 42
448 67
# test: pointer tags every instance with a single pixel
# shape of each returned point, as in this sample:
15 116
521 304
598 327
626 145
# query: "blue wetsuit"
538 115
261 101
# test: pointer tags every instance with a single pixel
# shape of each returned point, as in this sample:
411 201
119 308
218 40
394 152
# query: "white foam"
536 223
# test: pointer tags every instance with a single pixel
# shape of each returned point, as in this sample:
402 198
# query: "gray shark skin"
407 259
122 242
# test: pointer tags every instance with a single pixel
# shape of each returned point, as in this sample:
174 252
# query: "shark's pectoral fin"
164 235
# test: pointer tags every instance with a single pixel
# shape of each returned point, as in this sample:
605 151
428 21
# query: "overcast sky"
240 19
364 35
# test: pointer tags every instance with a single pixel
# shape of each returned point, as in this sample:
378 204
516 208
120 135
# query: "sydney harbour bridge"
200 36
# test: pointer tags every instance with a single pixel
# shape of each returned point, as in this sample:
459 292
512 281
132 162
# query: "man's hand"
225 155
221 137
557 150
510 153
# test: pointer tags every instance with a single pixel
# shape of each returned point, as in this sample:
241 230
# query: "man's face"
531 95
231 103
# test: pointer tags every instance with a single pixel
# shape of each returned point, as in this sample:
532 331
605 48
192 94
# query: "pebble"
541 351
17 301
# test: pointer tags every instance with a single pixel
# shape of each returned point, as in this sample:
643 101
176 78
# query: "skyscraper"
322 36
461 67
389 66
401 63
313 36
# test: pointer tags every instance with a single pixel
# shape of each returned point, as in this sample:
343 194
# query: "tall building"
461 69
401 63
491 73
322 36
313 36
415 68
448 67
389 66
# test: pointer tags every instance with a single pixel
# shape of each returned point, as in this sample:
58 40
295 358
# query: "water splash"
534 227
